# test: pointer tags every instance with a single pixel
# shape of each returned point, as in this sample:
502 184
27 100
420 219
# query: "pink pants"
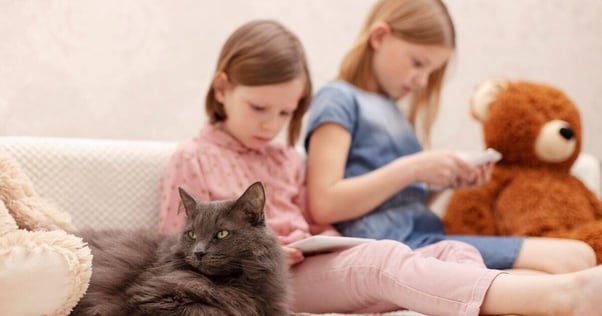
446 278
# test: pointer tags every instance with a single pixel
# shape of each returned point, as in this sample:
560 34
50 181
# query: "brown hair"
262 52
423 22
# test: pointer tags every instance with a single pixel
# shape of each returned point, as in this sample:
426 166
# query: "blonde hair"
262 52
423 22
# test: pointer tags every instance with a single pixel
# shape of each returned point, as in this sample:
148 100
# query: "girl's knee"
388 246
454 245
552 255
447 250
457 251
385 248
576 255
580 256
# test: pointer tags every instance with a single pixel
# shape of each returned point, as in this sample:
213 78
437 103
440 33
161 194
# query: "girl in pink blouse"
262 85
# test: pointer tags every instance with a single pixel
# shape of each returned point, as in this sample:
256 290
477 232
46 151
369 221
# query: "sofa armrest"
588 169
100 183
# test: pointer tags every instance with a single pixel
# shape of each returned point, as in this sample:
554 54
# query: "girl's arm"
330 197
333 198
298 163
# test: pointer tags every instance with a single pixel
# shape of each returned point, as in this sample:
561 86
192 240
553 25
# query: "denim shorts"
415 225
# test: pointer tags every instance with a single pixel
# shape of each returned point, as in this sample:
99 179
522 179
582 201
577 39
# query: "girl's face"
256 114
401 67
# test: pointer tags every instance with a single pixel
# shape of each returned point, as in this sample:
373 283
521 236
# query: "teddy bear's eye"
222 234
191 234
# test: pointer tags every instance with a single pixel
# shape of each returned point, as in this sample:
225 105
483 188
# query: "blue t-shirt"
380 132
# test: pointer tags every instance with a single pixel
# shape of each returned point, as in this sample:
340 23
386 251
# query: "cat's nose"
199 254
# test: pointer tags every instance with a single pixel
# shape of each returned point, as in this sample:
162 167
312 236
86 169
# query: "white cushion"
587 169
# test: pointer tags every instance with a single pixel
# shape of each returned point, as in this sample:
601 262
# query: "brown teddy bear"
44 270
537 129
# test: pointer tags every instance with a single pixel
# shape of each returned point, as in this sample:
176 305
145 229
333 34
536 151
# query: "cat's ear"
188 201
251 204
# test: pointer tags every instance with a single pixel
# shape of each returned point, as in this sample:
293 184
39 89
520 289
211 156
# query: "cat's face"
222 237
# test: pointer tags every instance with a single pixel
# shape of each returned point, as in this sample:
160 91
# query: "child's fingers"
294 255
480 175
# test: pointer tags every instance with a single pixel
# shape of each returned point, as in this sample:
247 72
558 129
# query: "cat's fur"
194 272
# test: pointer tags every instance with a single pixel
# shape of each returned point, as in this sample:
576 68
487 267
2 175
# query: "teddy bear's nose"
567 133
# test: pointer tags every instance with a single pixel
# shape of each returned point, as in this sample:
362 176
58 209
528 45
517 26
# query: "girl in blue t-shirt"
367 170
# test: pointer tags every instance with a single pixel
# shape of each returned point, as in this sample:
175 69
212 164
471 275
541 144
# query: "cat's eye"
222 234
191 234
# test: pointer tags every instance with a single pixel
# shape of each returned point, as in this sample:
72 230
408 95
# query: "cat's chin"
206 267
218 272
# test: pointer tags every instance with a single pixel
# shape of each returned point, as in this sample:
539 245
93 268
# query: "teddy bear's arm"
29 210
469 211
35 214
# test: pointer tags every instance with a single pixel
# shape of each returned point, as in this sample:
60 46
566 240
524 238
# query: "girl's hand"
294 255
483 175
446 170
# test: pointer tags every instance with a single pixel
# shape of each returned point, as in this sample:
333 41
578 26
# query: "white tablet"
316 244
489 155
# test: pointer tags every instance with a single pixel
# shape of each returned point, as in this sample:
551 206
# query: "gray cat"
225 262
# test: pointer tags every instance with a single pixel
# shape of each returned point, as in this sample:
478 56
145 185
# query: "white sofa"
115 184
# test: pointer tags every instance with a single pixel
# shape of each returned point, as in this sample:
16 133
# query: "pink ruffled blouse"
215 166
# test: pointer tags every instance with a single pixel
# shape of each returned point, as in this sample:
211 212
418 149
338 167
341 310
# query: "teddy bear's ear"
485 93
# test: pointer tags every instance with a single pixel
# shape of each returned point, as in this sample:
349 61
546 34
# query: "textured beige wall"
139 69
